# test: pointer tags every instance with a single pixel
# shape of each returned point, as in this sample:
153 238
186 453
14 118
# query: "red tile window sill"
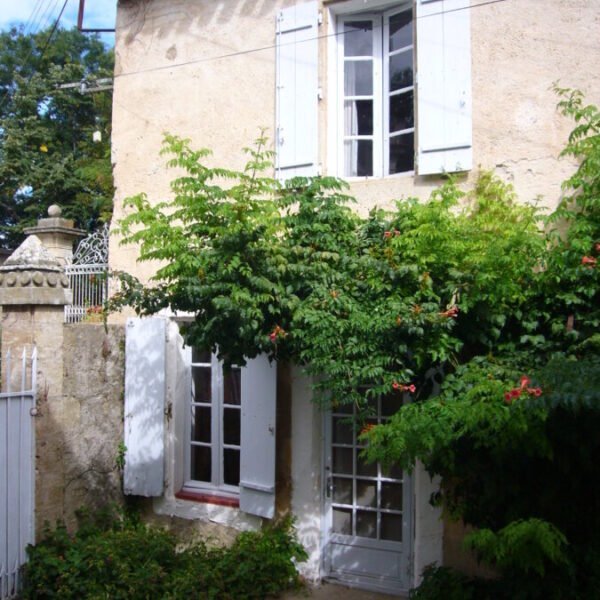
208 498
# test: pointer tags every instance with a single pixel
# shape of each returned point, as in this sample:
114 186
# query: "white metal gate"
17 452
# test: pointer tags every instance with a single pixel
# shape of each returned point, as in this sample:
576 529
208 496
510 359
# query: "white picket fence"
17 453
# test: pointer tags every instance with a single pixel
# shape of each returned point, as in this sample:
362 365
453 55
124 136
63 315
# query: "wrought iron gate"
88 275
17 456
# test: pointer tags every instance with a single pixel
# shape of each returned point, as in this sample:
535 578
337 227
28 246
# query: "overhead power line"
272 46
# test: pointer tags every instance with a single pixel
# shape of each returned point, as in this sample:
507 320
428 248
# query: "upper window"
376 92
213 426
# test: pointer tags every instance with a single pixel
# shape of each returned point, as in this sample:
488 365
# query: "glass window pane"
358 78
401 30
401 70
358 158
366 524
366 493
358 117
342 521
342 460
358 38
364 468
342 490
391 495
342 430
200 431
391 527
201 386
200 356
232 387
231 426
402 111
402 153
200 463
231 466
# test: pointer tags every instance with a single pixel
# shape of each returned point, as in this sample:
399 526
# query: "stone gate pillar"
33 293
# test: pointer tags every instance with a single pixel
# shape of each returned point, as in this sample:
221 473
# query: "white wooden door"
368 508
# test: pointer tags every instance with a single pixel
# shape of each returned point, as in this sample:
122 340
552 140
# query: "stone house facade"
390 95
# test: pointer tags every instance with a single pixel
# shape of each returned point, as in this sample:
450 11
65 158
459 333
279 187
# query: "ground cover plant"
495 300
119 557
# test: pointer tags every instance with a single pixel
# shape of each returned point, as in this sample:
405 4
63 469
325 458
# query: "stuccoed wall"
168 78
78 431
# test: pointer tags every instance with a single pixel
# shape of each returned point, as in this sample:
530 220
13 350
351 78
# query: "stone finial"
31 255
57 234
54 211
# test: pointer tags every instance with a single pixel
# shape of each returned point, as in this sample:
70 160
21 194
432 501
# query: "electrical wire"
272 46
43 52
31 20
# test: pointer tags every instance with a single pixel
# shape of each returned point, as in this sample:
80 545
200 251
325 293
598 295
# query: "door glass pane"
402 111
200 424
358 117
401 70
358 78
342 430
366 493
232 386
342 521
392 471
390 404
231 466
391 527
231 426
402 153
401 30
358 158
364 468
342 461
358 38
343 409
367 424
366 523
342 490
391 495
201 386
200 463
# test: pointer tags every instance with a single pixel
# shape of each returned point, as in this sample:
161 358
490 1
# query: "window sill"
207 498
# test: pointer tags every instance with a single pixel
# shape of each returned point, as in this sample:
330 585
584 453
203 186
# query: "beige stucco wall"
169 77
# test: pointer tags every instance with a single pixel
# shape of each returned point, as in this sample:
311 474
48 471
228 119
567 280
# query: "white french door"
367 508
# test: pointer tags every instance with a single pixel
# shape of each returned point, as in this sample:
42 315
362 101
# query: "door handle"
329 486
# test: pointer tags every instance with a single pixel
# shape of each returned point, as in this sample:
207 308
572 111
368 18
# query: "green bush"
125 559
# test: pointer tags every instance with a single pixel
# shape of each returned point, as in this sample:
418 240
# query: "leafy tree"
473 288
47 153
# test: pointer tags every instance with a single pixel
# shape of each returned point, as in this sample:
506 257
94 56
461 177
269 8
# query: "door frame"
373 583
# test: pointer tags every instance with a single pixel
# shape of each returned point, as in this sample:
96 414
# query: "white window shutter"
296 136
257 464
144 406
444 86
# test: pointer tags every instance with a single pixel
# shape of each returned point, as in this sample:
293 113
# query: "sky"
40 14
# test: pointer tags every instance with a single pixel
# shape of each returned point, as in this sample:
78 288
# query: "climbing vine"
473 288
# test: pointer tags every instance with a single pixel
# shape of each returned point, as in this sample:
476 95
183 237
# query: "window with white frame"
214 425
380 121
192 425
376 92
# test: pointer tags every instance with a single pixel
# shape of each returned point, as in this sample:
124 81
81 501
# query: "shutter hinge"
320 93
320 17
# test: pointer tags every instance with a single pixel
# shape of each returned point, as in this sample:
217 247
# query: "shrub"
125 559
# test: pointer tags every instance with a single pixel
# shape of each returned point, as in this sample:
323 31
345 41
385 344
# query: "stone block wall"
78 431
